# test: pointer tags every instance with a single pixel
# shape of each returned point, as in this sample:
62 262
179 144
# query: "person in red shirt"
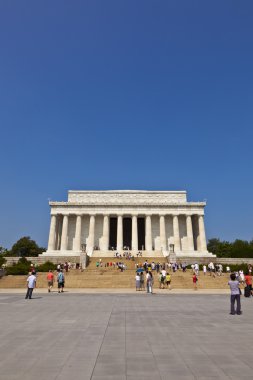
248 281
50 280
195 280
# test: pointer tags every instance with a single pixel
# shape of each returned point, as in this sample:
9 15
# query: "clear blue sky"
133 94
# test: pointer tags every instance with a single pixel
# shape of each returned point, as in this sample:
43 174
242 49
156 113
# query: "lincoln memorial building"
158 223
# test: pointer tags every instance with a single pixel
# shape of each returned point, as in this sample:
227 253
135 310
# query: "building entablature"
130 210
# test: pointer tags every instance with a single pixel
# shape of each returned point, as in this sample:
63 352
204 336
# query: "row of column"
148 233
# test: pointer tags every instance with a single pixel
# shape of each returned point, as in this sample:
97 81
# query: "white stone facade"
154 222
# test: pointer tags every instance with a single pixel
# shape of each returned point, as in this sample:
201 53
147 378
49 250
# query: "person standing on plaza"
61 281
31 284
50 280
248 285
235 295
142 281
137 282
168 280
149 279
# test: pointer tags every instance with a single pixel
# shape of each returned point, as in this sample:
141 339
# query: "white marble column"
64 237
120 233
189 233
148 235
52 233
176 233
163 233
77 246
202 234
91 238
134 233
106 233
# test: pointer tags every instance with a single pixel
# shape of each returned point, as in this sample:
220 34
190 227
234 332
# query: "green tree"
241 248
238 248
219 248
3 251
26 247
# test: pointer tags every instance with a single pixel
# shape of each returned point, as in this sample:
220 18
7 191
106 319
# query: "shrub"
46 267
2 261
21 268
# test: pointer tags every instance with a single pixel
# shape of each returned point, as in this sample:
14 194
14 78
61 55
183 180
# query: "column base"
194 254
65 253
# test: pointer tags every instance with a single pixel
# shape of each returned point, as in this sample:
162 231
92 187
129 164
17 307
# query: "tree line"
238 248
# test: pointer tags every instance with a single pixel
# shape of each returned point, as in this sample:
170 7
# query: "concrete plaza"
124 337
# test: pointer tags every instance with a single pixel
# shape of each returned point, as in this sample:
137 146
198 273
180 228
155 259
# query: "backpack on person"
60 277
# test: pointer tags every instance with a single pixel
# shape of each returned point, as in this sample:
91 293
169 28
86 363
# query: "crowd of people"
145 272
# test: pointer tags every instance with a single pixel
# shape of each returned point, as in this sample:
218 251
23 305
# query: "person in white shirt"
164 273
31 284
149 280
204 269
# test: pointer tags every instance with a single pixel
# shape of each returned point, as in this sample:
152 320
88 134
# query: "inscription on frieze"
117 198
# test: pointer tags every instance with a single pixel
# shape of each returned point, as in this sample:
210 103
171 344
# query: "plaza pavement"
120 336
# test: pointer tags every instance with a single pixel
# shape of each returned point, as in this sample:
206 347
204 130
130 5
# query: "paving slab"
124 337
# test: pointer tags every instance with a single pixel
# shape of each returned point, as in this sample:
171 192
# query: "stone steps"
115 279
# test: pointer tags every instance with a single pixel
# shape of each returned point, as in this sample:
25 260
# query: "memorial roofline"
130 191
180 204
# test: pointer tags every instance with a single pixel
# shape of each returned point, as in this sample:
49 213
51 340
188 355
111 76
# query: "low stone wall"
218 260
41 260
188 260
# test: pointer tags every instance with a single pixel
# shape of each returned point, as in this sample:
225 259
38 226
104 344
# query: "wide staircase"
109 277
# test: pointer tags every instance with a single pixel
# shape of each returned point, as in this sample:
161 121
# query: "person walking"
61 281
50 280
235 295
31 284
195 280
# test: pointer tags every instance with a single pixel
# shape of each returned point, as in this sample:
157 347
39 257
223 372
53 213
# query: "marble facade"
154 222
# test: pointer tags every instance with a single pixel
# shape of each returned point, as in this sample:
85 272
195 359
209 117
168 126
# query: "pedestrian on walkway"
235 295
50 280
31 284
61 281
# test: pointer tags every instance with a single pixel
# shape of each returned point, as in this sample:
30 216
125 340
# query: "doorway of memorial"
127 233
113 234
141 234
